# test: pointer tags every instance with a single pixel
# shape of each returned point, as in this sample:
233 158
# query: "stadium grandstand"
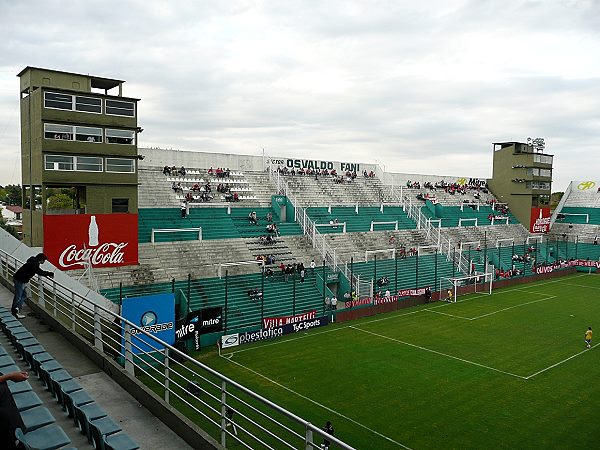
176 254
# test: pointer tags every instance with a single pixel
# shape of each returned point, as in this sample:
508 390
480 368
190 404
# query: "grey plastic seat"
49 437
17 388
61 388
6 360
75 399
26 400
120 441
35 418
85 414
99 428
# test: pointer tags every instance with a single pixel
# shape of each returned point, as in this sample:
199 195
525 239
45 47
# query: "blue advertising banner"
155 314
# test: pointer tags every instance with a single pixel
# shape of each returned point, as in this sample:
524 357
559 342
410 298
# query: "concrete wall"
155 157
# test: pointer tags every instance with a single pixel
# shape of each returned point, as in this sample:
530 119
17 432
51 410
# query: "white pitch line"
582 285
393 316
449 315
561 362
441 353
320 405
512 307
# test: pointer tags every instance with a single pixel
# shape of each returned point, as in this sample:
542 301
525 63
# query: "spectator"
328 428
252 218
183 208
595 240
22 277
269 217
166 170
302 274
10 418
327 303
182 171
312 266
347 296
334 302
427 294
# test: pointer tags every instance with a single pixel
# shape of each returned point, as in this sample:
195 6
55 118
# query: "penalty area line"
327 408
442 354
561 362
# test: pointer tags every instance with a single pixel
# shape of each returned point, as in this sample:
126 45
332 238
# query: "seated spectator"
210 171
236 197
166 170
182 171
252 218
269 217
269 273
174 170
255 294
227 172
229 197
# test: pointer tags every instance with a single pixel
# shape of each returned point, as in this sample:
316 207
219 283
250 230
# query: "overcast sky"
419 86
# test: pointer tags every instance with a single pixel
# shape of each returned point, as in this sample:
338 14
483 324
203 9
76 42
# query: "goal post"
454 287
387 251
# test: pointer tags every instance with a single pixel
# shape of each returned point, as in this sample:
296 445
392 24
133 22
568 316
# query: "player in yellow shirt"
450 295
588 337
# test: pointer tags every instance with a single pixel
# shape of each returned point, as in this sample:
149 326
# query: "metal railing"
214 402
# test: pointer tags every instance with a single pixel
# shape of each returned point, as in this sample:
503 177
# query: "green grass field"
507 370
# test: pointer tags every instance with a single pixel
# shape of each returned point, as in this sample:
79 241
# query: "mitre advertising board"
105 240
540 220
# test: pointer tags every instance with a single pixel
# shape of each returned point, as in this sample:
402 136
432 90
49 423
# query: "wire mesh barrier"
229 412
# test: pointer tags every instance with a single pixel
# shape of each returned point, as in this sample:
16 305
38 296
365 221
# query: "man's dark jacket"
28 270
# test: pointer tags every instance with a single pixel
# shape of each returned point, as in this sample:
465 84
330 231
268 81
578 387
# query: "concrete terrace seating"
354 245
444 197
408 275
216 223
280 297
360 221
580 215
584 193
253 188
309 191
452 215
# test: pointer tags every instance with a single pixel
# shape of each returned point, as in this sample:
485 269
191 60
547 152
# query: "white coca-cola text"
107 253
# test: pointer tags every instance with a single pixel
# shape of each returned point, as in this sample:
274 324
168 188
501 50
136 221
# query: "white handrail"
106 329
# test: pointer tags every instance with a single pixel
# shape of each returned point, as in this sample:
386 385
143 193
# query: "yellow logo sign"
461 181
585 185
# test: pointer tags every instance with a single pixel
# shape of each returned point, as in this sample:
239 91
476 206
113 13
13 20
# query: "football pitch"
508 370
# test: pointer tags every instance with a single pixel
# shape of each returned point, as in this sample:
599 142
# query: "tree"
8 228
13 194
60 201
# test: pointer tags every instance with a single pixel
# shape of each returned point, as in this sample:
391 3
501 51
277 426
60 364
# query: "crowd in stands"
174 171
346 177
474 184
219 172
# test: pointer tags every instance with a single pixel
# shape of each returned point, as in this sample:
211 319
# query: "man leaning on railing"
22 277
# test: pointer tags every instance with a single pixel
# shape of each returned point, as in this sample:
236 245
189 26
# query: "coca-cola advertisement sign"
540 220
103 240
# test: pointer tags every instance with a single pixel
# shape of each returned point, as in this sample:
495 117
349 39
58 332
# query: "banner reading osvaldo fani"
231 340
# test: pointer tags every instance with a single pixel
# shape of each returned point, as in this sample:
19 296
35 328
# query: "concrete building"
80 133
522 178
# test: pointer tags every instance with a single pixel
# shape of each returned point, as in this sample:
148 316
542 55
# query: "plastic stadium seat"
17 388
50 437
3 351
120 441
6 360
75 399
38 359
85 414
56 377
30 351
46 369
22 344
61 388
8 369
26 400
104 426
35 418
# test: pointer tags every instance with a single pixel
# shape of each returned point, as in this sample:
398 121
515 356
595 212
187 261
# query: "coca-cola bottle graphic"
93 232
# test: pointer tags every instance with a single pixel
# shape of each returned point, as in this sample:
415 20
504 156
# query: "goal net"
452 288
388 253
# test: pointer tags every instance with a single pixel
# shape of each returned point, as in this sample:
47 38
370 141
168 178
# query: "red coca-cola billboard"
105 240
539 220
